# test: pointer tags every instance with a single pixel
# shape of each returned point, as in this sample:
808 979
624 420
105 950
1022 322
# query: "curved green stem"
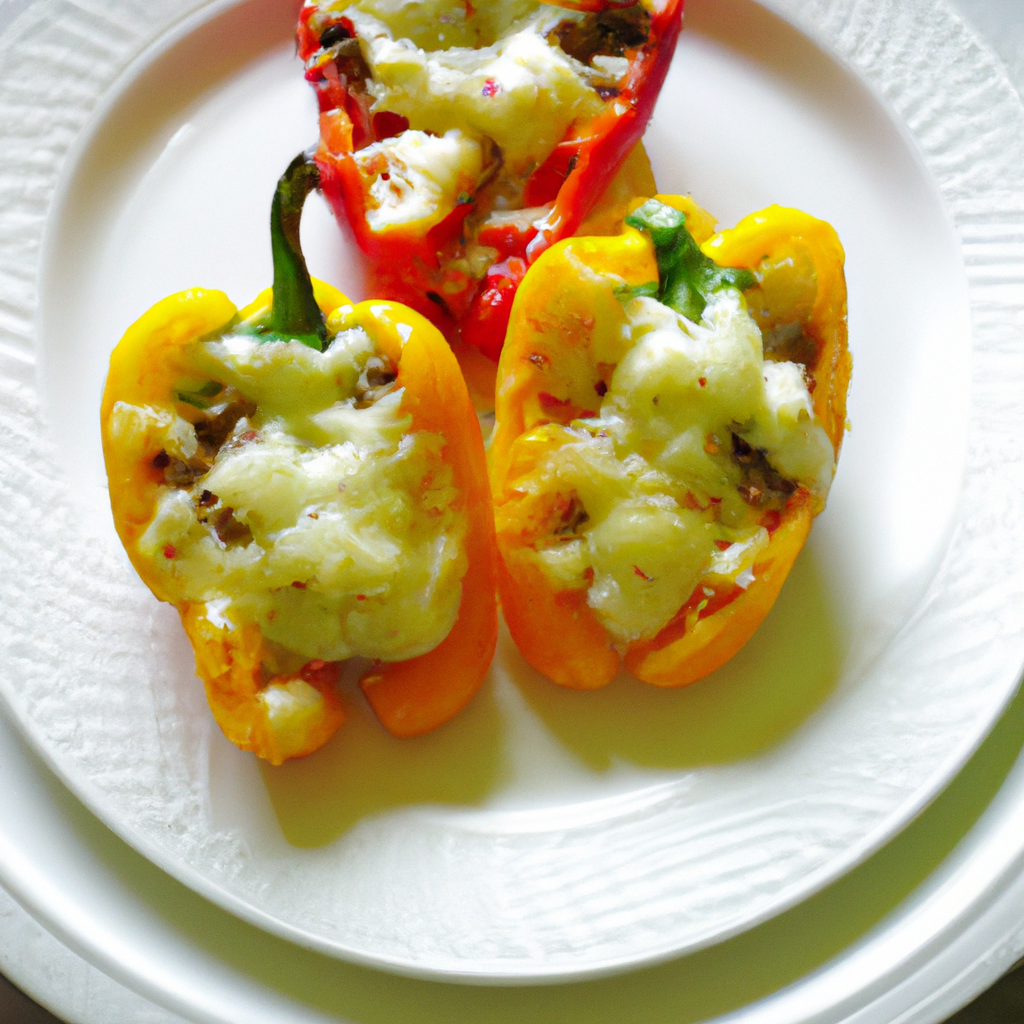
295 314
687 277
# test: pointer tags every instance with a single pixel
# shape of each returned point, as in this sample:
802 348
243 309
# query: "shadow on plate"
773 685
754 701
365 771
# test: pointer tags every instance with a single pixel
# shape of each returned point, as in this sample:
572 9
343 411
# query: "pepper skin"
423 262
163 348
548 374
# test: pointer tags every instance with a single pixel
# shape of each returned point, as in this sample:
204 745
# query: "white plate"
928 922
543 834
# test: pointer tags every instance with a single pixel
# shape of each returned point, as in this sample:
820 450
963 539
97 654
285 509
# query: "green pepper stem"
687 277
295 313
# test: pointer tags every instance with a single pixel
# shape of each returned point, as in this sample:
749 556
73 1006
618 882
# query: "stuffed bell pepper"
305 481
460 141
670 408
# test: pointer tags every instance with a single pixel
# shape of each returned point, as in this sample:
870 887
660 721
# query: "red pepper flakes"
702 381
298 585
642 574
548 401
550 404
387 124
170 551
360 597
771 520
491 88
323 672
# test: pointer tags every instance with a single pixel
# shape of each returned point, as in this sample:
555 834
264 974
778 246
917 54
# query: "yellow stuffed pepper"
670 408
305 481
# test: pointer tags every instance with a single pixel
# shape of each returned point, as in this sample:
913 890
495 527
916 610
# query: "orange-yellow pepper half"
549 373
409 697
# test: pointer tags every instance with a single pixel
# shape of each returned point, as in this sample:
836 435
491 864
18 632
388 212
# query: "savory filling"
521 91
296 497
502 81
418 178
665 498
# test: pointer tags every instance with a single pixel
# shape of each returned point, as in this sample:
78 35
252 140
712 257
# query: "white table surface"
82 994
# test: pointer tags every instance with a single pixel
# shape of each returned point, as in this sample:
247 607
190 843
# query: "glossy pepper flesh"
281 715
423 262
568 310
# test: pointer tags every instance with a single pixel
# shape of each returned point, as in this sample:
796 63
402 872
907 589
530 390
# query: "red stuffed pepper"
460 142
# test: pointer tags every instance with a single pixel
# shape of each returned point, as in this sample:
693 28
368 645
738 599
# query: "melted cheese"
351 535
437 24
655 472
518 90
416 177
